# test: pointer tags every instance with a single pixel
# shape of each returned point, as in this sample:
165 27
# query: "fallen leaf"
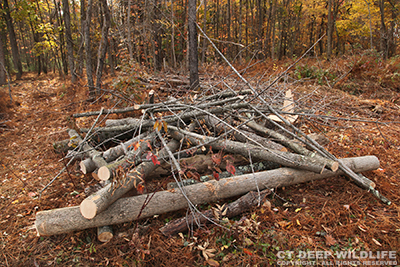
213 263
329 240
248 252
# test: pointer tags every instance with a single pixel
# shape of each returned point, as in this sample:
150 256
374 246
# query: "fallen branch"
331 164
284 158
68 219
232 209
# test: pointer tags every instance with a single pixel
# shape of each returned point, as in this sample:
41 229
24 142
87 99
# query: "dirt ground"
326 215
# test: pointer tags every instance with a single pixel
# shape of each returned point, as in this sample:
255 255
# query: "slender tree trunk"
3 79
240 29
129 37
89 70
273 17
383 30
371 45
204 45
173 55
13 40
103 44
330 31
229 39
81 55
193 55
70 44
392 32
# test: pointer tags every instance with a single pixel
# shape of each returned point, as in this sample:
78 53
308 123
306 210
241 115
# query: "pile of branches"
206 146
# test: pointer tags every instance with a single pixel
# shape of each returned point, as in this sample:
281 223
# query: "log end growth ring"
104 173
88 209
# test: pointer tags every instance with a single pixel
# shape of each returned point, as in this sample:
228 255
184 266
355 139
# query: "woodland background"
45 36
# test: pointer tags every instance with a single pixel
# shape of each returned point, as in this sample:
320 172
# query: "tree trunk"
193 55
101 57
89 70
383 30
13 40
330 31
70 44
204 45
3 69
64 220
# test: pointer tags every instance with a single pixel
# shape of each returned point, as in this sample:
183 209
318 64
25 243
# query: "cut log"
244 203
284 158
95 157
122 149
87 165
64 220
99 201
105 233
61 146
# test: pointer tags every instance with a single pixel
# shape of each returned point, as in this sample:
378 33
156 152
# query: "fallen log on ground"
64 220
244 203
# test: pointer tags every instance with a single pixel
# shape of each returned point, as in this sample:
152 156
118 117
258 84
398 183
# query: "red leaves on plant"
153 158
217 158
230 168
149 145
216 175
140 188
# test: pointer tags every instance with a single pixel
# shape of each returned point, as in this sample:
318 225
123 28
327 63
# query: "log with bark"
284 158
64 220
241 205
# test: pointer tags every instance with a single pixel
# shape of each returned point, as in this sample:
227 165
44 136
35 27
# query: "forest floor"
329 215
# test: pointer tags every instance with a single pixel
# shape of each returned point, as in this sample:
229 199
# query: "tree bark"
330 30
13 40
103 44
88 49
64 220
2 63
193 53
70 43
383 30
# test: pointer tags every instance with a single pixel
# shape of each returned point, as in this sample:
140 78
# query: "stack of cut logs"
194 150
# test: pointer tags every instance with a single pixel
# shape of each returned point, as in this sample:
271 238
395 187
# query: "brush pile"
201 147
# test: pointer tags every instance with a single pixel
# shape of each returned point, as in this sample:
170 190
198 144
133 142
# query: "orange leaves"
158 125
